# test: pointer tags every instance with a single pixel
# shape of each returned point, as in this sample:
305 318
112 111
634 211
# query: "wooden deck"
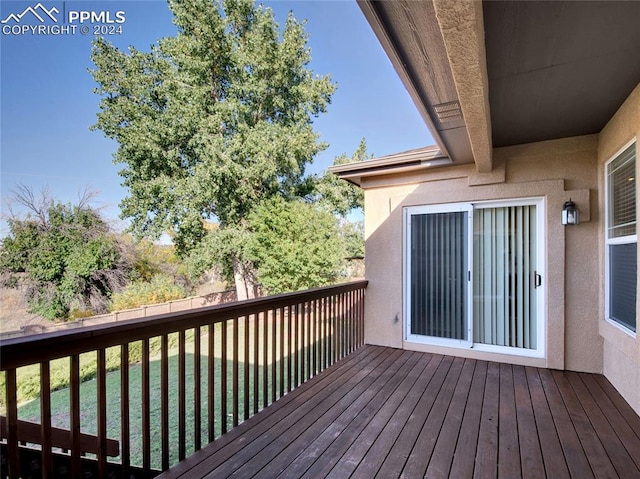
389 413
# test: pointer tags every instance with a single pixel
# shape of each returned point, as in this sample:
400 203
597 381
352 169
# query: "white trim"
621 327
539 202
629 239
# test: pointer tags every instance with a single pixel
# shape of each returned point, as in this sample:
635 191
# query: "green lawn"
88 396
60 407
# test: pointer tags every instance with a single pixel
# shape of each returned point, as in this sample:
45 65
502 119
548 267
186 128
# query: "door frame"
470 207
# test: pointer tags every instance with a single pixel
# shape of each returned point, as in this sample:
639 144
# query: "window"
473 276
621 238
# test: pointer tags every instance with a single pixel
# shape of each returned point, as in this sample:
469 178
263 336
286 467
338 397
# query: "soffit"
555 69
558 69
409 32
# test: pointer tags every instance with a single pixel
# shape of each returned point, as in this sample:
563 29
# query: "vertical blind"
504 295
438 279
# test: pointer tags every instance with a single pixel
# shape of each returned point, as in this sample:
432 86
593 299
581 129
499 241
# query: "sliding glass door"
439 266
472 275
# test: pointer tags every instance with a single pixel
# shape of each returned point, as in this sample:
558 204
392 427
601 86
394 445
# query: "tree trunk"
244 277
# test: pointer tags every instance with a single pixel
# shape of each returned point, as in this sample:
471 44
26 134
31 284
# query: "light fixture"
570 213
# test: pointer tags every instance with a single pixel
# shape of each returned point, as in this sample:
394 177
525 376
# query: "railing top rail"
22 351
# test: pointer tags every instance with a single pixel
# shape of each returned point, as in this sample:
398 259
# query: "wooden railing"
200 373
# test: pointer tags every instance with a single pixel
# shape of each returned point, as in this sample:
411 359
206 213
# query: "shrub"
160 289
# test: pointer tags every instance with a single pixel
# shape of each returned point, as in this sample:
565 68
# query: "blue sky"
47 102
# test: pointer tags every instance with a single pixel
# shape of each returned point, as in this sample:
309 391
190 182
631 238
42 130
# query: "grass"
28 377
88 396
88 407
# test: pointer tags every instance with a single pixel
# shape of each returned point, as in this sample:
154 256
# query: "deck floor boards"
388 413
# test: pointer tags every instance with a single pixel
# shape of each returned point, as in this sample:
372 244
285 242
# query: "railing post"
236 376
281 355
45 419
164 401
182 391
223 380
125 450
12 425
211 373
146 413
197 392
76 465
101 385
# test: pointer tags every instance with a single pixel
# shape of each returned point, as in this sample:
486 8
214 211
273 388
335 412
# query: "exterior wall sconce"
570 213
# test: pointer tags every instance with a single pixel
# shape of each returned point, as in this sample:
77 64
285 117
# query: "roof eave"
456 58
413 160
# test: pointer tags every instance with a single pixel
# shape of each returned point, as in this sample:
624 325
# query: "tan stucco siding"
554 171
621 349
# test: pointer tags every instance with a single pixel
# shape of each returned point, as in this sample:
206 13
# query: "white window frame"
616 241
539 202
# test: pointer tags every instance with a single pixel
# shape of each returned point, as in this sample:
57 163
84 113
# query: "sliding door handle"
537 280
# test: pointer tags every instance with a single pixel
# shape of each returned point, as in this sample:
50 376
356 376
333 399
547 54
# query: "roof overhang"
412 160
437 49
501 73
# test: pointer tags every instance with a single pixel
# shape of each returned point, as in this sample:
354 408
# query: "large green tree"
340 196
211 123
64 254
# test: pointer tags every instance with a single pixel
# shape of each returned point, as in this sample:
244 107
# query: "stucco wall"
554 171
621 349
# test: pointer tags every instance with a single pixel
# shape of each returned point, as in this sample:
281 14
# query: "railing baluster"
146 414
164 401
303 313
211 372
346 311
125 448
12 425
197 391
289 351
223 379
265 359
361 317
45 419
74 414
281 355
326 332
353 318
245 369
256 366
350 317
182 392
236 376
308 339
314 322
274 381
325 343
296 351
335 329
342 325
101 385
